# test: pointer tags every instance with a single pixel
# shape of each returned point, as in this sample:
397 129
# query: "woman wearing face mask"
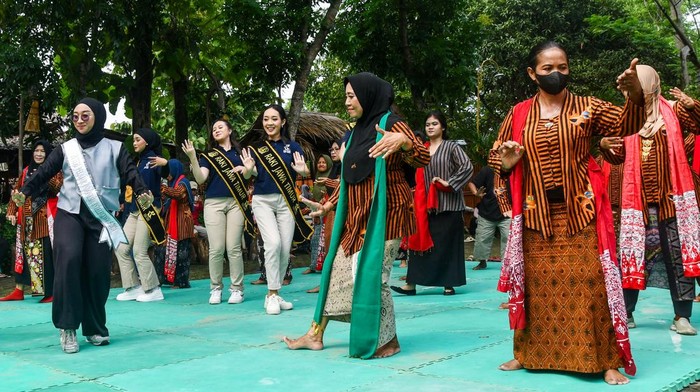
139 277
226 211
34 256
92 167
372 215
565 295
275 203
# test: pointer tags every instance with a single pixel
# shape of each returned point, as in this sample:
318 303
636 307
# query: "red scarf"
19 249
171 238
423 202
696 155
632 228
512 278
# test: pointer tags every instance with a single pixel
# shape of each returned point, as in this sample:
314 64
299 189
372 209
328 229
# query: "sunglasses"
84 117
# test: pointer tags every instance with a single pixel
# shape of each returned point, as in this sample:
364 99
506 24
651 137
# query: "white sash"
112 232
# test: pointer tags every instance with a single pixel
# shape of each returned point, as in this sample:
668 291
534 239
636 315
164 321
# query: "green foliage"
25 69
7 230
236 56
325 92
424 48
601 38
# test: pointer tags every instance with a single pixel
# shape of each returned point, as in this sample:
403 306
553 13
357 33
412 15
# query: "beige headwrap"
651 85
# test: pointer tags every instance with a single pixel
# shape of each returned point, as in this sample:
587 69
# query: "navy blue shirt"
217 187
264 184
151 178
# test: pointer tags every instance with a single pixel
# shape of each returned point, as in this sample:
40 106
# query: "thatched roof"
11 143
317 131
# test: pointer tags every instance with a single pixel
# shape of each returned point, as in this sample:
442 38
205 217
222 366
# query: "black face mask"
553 83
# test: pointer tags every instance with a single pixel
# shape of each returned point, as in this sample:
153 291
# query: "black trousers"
681 288
82 267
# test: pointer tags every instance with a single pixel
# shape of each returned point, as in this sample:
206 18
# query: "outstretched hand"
628 83
247 159
299 165
683 98
156 161
317 209
188 149
390 143
611 144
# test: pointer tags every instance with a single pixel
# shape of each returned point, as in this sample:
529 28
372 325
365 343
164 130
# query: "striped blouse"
452 164
185 222
580 119
40 227
656 173
400 220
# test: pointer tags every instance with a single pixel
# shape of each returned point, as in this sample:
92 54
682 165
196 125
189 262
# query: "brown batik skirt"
568 319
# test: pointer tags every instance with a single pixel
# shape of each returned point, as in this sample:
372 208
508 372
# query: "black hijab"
96 133
39 199
376 96
152 141
47 150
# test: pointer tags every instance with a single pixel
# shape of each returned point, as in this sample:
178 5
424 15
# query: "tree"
601 38
427 50
310 52
25 73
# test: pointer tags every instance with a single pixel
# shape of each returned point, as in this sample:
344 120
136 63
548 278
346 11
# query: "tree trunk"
301 82
407 58
142 87
180 87
683 48
20 147
220 97
680 33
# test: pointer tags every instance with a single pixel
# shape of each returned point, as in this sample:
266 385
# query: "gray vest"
101 162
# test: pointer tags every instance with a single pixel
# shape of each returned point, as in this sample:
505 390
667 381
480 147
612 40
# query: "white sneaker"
215 297
155 294
682 327
284 305
272 304
131 293
97 340
69 342
236 297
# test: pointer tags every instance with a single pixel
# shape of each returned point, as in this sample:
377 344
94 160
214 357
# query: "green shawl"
366 302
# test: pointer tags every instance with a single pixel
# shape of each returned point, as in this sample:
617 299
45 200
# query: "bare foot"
309 342
513 364
614 377
389 349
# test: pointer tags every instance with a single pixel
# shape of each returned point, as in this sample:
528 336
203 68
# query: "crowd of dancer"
543 191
